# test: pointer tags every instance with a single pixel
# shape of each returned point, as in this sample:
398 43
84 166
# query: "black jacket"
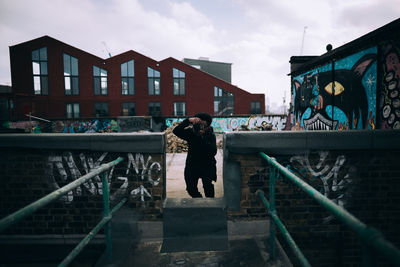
201 149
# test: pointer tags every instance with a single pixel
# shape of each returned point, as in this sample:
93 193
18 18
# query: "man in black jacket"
200 160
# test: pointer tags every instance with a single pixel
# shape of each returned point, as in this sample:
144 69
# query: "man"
202 148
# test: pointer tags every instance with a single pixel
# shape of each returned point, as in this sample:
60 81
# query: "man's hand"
194 120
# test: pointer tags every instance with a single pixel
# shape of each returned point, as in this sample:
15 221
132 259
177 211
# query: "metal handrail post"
272 207
31 208
107 227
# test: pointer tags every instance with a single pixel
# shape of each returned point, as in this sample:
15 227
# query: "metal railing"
105 222
372 239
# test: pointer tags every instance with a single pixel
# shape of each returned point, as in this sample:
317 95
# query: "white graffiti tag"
64 169
335 182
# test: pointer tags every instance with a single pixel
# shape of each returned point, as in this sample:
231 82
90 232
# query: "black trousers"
192 179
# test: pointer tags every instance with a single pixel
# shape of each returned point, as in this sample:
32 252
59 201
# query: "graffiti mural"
334 179
91 126
389 100
140 172
342 99
337 178
230 124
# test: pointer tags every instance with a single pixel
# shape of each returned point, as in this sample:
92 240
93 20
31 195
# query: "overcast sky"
257 36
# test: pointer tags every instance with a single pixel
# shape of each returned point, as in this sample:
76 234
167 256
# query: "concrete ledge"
112 142
288 142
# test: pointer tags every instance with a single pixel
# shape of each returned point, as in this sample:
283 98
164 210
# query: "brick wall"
28 173
363 177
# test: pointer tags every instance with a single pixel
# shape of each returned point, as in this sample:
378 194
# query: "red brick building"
52 80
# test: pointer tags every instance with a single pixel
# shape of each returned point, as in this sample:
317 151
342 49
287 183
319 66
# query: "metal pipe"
369 235
106 202
286 235
85 241
29 209
272 209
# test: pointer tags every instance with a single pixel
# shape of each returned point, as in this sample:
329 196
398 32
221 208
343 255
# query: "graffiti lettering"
64 169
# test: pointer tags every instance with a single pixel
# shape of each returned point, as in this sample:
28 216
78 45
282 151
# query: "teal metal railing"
105 222
373 240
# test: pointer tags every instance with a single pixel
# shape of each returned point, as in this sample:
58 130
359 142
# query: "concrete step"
194 224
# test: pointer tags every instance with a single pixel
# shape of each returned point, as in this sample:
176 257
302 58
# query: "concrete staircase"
194 224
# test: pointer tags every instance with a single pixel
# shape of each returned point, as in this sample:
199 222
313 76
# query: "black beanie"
205 117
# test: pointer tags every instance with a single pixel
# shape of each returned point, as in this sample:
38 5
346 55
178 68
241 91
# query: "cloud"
257 36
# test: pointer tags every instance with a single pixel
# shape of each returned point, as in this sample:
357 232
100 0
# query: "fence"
105 222
373 240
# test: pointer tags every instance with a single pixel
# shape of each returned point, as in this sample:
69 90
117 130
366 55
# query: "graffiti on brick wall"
337 178
389 99
342 99
241 123
90 126
140 172
335 181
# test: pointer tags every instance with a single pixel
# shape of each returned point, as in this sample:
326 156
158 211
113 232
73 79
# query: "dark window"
101 109
72 110
128 109
179 109
153 81
128 78
179 82
154 108
100 81
223 102
71 76
39 70
255 108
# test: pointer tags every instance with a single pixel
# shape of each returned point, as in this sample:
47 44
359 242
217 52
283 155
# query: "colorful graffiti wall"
337 96
389 98
229 124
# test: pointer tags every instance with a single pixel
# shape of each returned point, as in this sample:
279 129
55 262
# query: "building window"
100 81
255 108
223 102
73 110
154 108
71 78
39 70
101 109
153 81
128 78
128 109
179 82
179 109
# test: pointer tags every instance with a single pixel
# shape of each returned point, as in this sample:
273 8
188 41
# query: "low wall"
32 166
358 170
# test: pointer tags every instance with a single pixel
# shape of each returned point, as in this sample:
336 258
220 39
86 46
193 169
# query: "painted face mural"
390 95
340 100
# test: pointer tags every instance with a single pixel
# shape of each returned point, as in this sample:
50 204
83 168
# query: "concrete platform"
194 224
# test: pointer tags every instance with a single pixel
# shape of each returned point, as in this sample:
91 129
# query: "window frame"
179 78
152 77
253 107
155 114
221 95
122 106
128 77
39 58
102 103
71 76
184 108
101 79
74 114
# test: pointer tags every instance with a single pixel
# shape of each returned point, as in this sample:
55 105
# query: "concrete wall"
358 170
32 166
